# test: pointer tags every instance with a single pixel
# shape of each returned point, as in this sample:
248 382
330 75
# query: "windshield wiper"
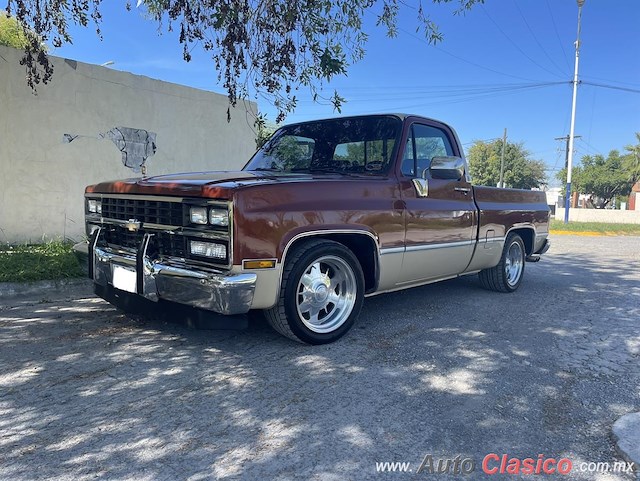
329 170
267 169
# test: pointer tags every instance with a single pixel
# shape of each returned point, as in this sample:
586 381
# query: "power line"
480 96
555 28
613 87
634 84
445 92
463 59
591 147
513 43
536 39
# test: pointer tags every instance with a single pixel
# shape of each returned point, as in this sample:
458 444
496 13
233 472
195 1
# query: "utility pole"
504 143
566 150
567 202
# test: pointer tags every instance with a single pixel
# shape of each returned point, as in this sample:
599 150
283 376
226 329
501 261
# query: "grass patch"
596 227
52 260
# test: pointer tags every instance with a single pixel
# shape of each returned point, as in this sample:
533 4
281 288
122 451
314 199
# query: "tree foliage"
12 34
632 162
264 133
602 179
520 170
265 48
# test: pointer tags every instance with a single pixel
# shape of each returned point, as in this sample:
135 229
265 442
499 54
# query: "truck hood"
218 185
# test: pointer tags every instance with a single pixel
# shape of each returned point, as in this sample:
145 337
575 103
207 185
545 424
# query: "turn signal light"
263 264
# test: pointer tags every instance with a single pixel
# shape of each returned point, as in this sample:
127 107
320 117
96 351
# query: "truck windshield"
347 145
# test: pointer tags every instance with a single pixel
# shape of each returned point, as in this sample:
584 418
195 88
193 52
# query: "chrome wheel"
326 294
513 264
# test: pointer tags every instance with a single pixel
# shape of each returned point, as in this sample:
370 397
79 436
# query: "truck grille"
166 244
146 211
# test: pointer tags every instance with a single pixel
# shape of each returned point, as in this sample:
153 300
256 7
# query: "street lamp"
107 63
567 202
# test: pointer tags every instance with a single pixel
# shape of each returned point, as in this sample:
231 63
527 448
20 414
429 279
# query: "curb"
582 233
19 289
626 432
593 233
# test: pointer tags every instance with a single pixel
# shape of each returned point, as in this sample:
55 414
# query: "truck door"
440 213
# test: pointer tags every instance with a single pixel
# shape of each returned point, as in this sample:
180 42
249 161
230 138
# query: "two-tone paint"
402 237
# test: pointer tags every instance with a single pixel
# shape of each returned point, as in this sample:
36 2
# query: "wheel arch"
363 244
528 236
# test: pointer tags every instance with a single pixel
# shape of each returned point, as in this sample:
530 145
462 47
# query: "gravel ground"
87 392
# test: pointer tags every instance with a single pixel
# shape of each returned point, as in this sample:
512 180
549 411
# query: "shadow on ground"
447 369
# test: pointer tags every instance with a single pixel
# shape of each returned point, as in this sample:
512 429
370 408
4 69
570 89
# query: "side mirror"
447 168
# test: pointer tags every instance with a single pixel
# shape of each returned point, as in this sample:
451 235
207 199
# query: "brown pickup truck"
326 213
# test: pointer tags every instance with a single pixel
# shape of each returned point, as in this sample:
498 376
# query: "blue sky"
475 79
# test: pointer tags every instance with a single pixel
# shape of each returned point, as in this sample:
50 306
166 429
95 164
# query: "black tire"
321 293
507 275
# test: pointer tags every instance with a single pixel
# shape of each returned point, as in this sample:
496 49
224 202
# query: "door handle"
466 190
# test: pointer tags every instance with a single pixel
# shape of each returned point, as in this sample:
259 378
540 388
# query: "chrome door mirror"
447 168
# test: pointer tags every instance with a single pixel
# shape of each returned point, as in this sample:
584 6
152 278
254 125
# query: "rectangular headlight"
208 249
198 215
219 217
95 206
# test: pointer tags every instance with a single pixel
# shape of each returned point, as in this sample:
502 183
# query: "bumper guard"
224 293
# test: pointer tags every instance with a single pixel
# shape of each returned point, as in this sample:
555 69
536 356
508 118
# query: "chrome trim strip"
204 234
160 198
485 210
329 232
424 247
181 263
521 226
123 223
149 225
391 250
491 239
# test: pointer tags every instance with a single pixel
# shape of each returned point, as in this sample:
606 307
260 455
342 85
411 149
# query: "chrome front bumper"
224 293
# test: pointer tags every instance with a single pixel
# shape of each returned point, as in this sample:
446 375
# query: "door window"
423 144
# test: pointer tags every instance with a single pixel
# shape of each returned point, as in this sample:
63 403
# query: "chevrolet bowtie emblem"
132 225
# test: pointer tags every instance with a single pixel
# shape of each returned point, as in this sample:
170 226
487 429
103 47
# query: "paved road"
449 369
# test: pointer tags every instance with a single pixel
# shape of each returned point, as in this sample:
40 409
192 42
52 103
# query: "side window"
424 144
289 151
367 155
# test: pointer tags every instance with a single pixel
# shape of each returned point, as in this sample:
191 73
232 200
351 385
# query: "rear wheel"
508 274
321 293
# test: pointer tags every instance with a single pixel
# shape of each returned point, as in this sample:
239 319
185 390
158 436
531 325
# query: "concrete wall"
601 215
42 179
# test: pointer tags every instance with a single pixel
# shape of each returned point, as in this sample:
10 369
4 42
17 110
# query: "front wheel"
507 275
321 293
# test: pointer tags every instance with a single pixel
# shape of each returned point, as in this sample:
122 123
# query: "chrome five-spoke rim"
326 294
513 264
